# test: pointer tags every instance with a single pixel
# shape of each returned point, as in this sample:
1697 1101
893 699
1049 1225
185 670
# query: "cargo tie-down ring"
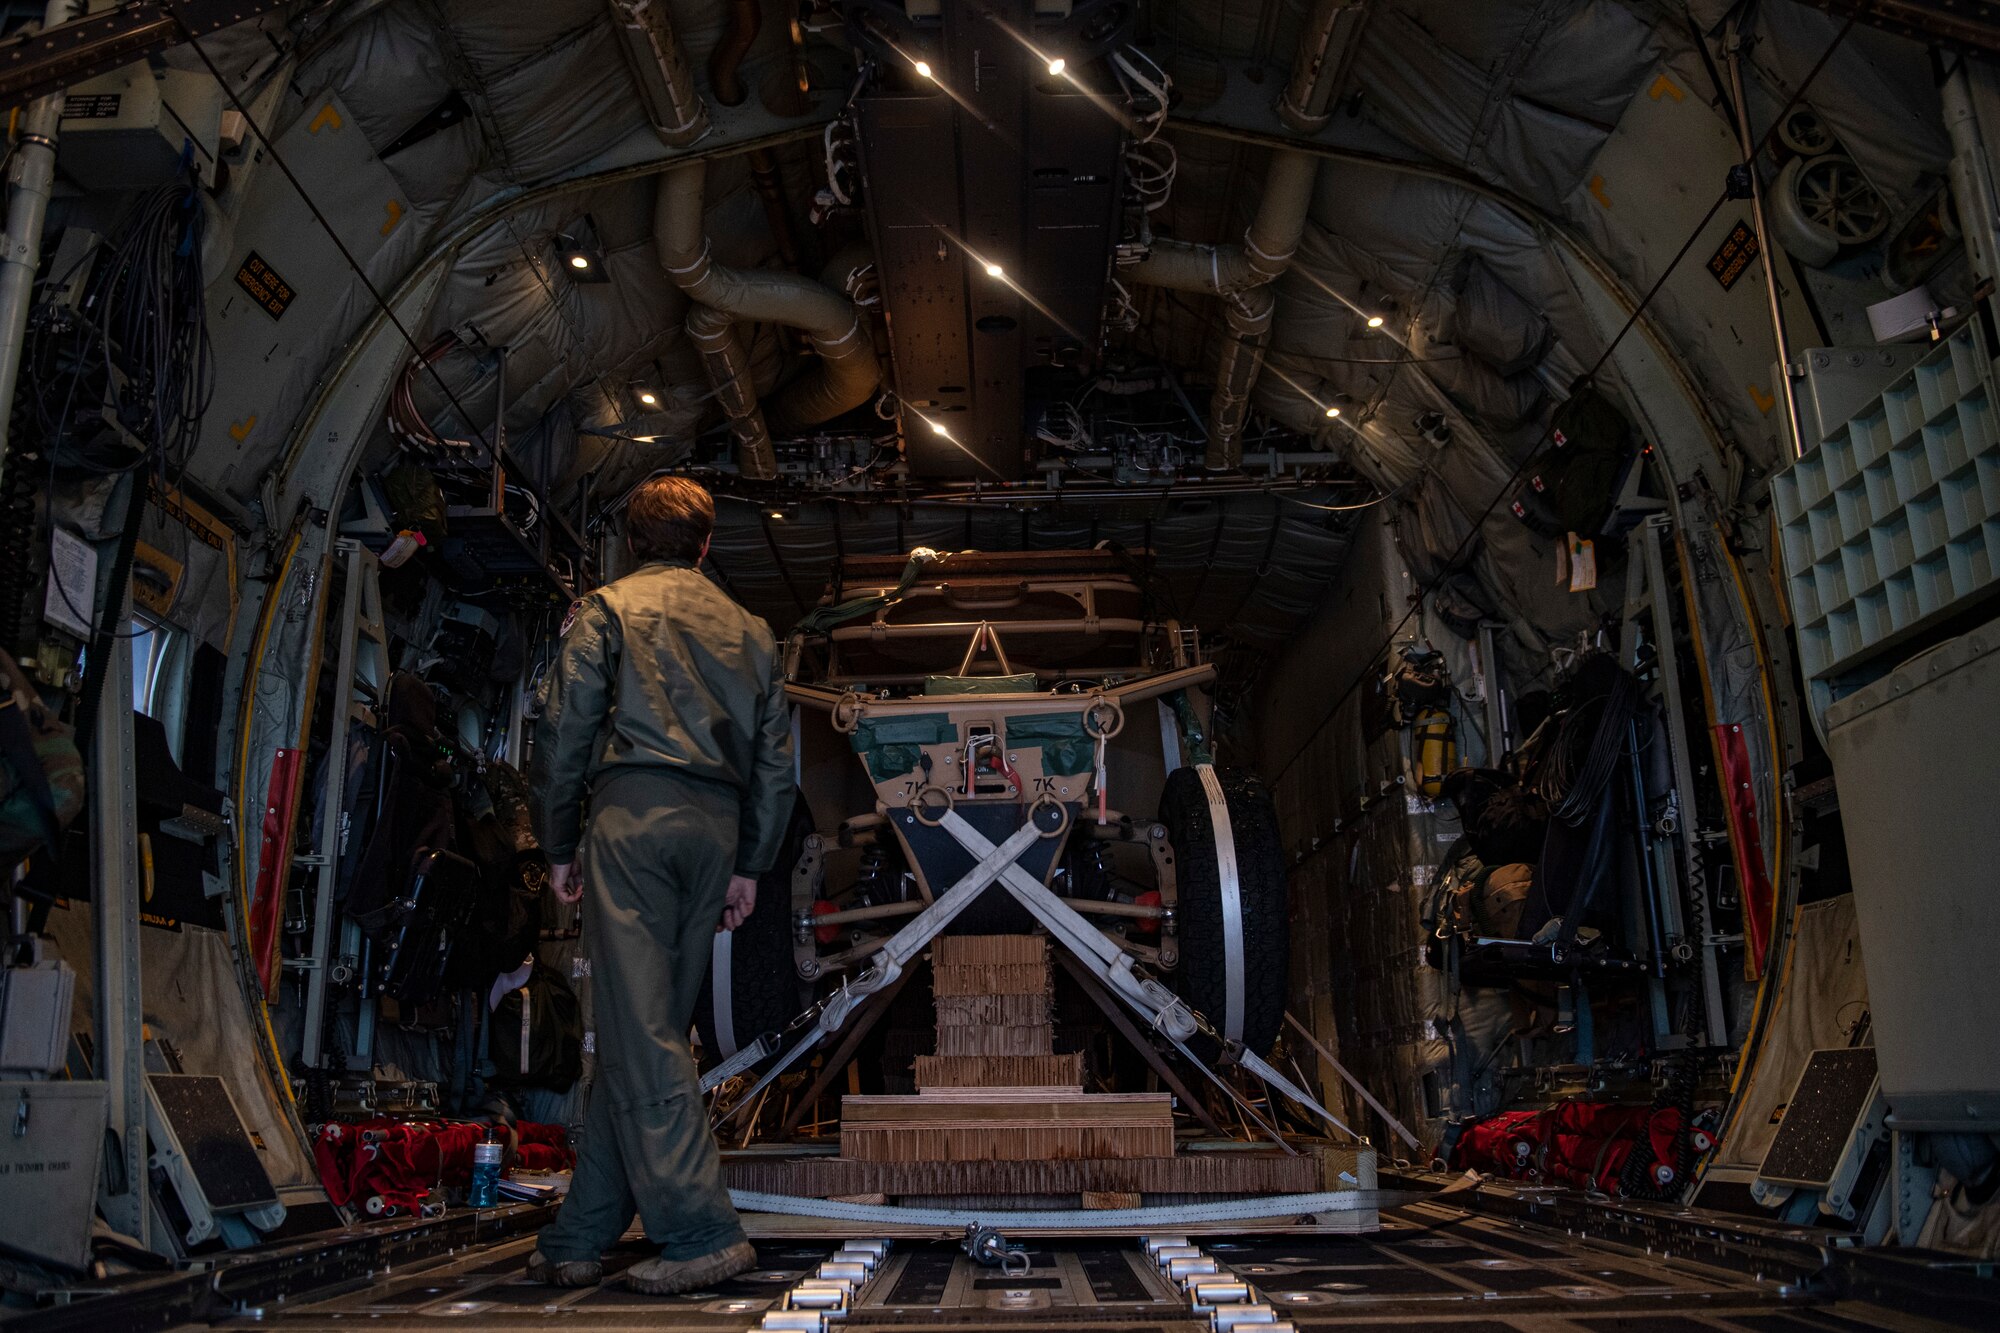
846 712
920 804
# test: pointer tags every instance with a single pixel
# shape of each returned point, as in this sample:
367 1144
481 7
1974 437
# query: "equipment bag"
535 1036
1576 487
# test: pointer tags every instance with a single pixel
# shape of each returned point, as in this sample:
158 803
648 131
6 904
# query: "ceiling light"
1057 66
1333 411
994 271
580 252
937 428
924 69
1374 321
649 398
778 514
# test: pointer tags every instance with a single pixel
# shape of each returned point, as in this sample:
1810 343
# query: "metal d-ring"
917 806
846 713
1103 706
1062 824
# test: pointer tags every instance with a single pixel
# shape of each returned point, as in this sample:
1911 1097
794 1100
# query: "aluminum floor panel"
1430 1266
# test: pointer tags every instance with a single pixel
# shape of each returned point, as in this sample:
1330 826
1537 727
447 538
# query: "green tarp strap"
826 617
1067 750
892 746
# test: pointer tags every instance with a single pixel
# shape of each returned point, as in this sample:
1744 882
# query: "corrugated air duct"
1241 275
848 371
666 87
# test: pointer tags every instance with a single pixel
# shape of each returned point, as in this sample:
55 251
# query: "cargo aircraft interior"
1375 665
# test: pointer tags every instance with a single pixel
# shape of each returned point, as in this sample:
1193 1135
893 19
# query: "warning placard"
264 285
1733 255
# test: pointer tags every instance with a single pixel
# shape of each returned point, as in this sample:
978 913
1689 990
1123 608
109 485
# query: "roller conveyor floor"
1430 1265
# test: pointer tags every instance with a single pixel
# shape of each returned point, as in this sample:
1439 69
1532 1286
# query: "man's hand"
741 901
566 882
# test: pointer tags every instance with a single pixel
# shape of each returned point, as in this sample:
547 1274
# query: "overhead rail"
1970 27
32 64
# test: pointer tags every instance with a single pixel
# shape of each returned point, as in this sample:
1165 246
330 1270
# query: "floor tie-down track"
1432 1265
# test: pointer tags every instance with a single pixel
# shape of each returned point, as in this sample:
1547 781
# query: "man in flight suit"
666 711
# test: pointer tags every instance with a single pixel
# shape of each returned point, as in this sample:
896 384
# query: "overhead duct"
1241 275
848 371
1326 52
666 87
723 356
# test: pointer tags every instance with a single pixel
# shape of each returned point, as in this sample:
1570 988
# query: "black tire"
764 991
1260 872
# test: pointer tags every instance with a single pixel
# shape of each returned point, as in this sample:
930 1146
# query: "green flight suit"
666 709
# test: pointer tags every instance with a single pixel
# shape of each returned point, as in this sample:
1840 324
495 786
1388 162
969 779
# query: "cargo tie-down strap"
1111 965
903 947
1289 1206
1231 885
722 992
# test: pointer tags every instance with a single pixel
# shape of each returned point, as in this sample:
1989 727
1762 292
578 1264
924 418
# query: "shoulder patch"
569 617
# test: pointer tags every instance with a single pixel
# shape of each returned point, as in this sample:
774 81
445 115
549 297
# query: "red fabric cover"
1746 844
388 1167
1577 1143
274 865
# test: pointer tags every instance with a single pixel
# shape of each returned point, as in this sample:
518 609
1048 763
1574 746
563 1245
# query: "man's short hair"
669 518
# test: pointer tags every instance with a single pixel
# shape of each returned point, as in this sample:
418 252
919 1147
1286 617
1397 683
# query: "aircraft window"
159 669
149 643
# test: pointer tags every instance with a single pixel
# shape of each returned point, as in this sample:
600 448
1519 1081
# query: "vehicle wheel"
1805 133
764 992
1823 205
1260 871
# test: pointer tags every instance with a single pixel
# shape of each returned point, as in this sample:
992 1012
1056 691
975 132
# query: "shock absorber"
868 887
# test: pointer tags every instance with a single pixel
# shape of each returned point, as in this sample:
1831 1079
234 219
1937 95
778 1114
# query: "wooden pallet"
1005 1124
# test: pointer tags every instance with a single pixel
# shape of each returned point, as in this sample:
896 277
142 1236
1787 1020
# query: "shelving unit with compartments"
1892 522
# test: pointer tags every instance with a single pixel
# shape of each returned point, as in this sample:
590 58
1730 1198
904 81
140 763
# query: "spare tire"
1206 942
763 989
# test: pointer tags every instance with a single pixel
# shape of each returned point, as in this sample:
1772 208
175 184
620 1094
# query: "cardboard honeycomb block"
980 1011
977 950
992 1124
1000 1071
990 965
990 979
996 1039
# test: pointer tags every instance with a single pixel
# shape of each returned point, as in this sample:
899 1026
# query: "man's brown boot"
569 1273
665 1277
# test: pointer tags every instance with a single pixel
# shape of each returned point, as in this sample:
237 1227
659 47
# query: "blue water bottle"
485 1192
